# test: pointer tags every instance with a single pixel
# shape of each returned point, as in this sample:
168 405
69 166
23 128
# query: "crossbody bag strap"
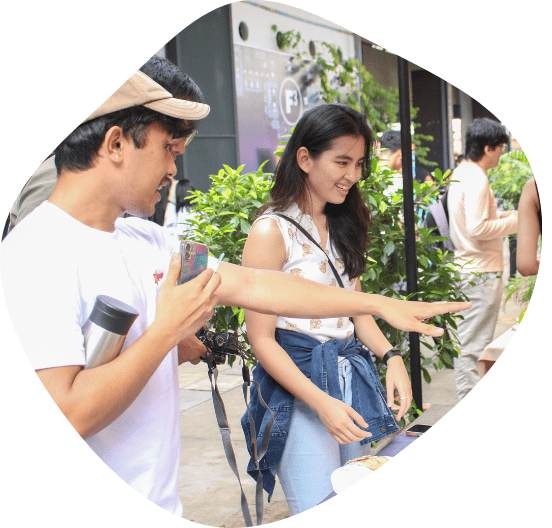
307 234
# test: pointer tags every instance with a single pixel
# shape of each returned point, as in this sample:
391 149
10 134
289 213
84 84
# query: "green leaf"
427 377
245 225
389 248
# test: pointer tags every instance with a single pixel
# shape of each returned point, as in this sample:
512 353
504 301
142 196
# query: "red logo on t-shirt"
158 276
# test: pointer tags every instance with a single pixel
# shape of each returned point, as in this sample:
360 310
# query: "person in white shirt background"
477 230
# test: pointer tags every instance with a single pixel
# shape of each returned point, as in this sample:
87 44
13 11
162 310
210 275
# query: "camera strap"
224 427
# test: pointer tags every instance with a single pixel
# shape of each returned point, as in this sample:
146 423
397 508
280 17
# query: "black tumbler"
106 330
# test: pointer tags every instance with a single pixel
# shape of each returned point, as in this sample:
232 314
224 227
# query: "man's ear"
303 159
114 144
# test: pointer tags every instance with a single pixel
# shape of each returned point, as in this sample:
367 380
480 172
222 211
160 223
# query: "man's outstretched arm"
277 293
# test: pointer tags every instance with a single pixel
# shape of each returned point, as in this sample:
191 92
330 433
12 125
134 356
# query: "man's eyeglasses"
190 137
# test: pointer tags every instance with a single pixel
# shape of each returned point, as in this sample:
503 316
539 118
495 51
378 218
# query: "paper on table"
344 477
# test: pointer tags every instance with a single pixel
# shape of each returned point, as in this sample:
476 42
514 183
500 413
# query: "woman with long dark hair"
317 376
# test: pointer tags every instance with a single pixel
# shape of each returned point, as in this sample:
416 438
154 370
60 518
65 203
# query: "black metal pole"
445 126
409 227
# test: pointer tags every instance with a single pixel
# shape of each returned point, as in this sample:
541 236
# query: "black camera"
219 346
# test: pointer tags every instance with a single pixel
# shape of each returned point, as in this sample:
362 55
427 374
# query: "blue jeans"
311 453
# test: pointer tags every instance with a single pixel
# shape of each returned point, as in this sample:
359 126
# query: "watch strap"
388 355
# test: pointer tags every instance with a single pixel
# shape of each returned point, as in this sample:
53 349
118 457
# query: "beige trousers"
476 331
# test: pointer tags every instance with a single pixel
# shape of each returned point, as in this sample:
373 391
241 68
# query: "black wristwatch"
388 355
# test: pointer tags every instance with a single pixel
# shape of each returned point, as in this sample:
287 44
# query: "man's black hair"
481 133
172 78
78 151
391 141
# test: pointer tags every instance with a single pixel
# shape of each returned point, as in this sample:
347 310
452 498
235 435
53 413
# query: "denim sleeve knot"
318 361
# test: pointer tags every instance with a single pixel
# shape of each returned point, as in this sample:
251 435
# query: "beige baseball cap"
141 90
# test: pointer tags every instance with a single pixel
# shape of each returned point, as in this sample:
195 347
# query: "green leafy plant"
285 40
520 289
508 178
347 81
437 274
225 215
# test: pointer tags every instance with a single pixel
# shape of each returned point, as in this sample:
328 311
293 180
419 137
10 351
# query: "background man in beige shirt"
477 230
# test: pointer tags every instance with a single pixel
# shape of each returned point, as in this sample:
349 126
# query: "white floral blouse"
306 260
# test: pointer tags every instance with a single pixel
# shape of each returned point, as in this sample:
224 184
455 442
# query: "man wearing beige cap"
77 245
40 185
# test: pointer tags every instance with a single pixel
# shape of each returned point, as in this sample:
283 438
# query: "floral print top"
306 260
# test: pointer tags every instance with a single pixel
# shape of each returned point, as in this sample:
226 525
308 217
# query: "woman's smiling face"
334 172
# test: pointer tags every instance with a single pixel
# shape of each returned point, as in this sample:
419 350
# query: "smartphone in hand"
194 257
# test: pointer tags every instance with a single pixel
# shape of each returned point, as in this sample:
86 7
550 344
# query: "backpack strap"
441 219
438 213
444 201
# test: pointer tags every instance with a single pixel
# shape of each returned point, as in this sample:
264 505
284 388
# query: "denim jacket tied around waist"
318 361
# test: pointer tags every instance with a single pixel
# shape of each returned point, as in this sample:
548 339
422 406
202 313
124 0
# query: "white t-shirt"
306 260
53 268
